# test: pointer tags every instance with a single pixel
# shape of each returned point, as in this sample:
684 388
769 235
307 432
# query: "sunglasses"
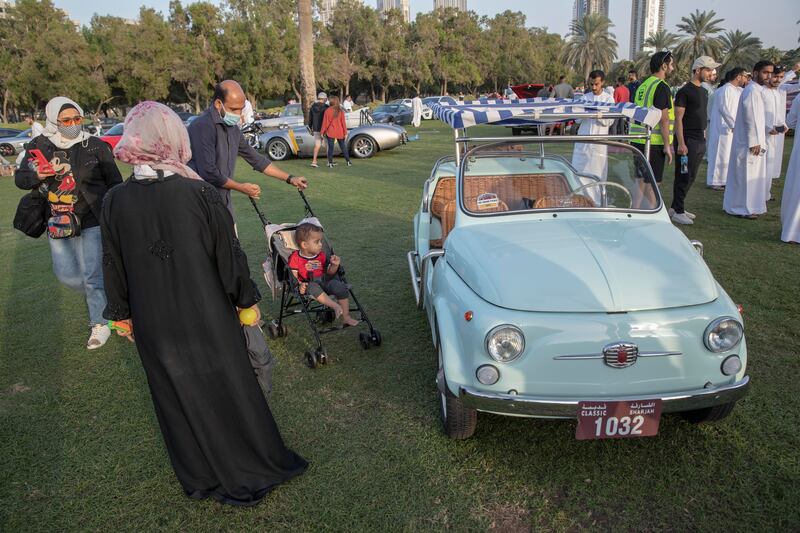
71 121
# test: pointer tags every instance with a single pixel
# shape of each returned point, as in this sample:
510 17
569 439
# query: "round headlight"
731 365
505 343
723 334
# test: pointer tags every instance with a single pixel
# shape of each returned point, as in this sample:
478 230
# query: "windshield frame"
489 150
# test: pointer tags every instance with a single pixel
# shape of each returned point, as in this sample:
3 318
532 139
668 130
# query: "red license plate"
618 420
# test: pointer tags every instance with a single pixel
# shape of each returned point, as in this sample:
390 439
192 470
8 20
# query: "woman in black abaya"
174 270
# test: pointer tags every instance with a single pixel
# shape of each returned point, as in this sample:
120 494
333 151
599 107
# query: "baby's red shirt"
304 265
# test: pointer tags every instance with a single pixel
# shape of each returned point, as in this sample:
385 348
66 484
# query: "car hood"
580 265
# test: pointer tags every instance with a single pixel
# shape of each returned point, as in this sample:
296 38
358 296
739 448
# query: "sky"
773 21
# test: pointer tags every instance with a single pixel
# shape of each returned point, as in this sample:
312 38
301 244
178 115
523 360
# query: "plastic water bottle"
684 164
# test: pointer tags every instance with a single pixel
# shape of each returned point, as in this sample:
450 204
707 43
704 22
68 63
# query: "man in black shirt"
633 83
315 115
691 120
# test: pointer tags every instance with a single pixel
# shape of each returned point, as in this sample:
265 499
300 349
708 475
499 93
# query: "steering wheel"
604 196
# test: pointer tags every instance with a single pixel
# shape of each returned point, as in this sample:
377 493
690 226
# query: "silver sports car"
13 145
362 141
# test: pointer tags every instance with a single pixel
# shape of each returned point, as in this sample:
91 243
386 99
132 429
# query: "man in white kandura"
790 203
775 119
592 158
416 107
746 191
720 127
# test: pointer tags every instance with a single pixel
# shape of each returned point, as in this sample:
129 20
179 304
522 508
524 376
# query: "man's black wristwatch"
289 179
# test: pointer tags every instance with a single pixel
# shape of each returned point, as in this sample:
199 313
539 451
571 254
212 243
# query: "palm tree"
772 54
590 44
306 53
661 40
700 29
739 49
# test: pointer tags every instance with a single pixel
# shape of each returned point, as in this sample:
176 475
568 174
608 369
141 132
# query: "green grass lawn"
80 448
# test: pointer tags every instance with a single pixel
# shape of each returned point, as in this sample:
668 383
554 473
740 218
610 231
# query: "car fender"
286 135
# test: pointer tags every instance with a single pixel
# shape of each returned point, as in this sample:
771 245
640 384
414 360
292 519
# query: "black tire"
283 330
328 316
376 337
709 414
364 340
311 360
6 149
459 422
322 357
363 146
272 331
278 150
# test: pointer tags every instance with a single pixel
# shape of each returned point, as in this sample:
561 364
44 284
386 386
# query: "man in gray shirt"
563 89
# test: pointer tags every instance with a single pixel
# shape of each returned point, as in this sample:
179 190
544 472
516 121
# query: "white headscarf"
51 123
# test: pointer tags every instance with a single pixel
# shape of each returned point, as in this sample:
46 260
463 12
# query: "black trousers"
656 159
684 181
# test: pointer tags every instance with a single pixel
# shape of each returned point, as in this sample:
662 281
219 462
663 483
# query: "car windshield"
386 108
115 130
292 111
510 177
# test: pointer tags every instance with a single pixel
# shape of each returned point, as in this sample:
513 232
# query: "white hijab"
51 123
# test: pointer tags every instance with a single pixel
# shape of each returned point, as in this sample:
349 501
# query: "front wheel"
278 149
459 422
6 149
709 414
362 146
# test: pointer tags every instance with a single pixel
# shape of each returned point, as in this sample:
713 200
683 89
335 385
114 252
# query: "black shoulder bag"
32 212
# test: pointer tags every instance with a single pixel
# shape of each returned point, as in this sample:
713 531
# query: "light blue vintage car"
556 286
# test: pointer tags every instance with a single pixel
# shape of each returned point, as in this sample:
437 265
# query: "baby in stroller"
316 273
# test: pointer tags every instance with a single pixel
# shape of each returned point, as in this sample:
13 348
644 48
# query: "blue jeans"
342 145
78 264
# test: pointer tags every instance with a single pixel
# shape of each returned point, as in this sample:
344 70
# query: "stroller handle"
309 211
264 220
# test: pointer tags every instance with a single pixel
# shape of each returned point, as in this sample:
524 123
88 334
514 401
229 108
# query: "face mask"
69 132
230 119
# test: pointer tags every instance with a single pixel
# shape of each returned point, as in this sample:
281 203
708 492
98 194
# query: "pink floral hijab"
155 136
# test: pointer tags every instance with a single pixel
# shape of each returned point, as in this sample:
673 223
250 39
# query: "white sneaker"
690 215
682 218
99 336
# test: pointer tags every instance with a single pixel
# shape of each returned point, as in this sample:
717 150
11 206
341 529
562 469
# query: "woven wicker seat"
514 192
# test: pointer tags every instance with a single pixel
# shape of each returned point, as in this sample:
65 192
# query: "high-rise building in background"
402 5
581 8
461 5
326 10
647 17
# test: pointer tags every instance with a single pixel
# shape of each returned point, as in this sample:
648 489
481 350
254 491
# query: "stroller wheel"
283 330
311 360
328 316
376 337
322 357
364 340
272 331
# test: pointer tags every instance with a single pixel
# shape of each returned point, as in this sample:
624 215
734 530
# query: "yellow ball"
248 317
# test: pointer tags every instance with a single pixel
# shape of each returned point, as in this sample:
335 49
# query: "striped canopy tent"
528 111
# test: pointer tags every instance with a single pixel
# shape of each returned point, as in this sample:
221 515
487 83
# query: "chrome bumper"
513 404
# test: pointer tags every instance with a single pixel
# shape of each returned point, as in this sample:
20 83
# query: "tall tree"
739 49
591 44
771 54
306 53
197 61
700 31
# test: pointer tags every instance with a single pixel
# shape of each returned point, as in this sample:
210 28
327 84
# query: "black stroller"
279 278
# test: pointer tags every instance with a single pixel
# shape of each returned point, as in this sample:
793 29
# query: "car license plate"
618 420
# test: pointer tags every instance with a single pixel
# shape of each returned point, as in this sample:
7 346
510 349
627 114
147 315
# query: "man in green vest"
654 92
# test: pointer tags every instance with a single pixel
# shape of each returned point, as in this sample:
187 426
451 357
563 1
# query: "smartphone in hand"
780 129
42 164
